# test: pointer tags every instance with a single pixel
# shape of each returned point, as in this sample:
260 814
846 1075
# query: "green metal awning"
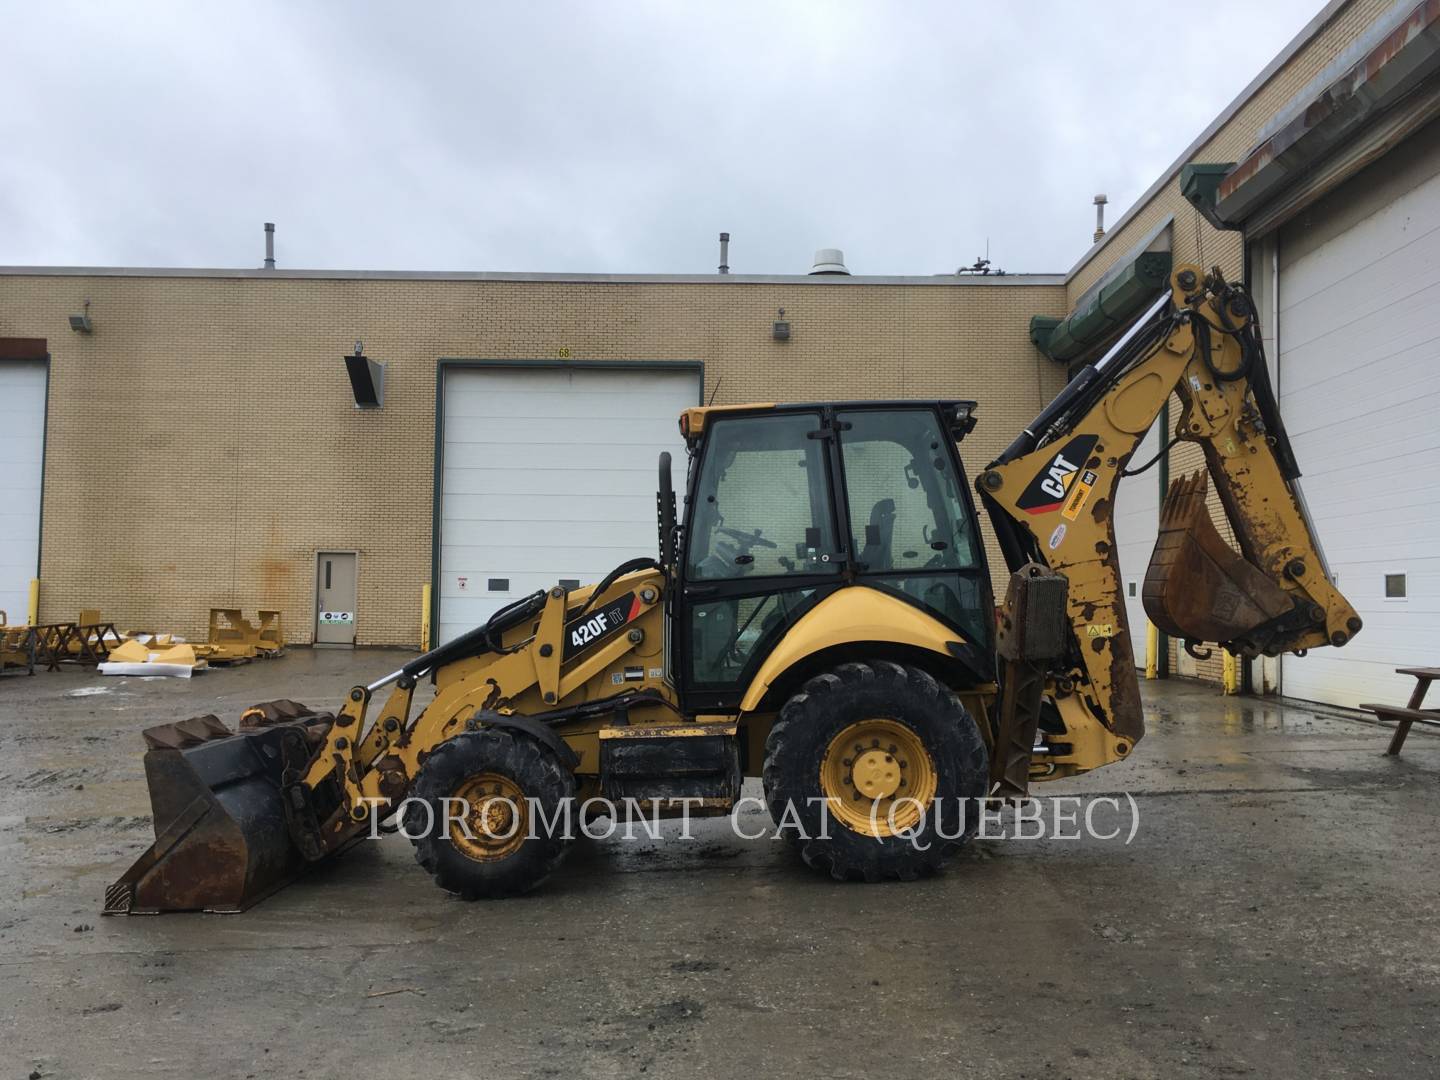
1105 310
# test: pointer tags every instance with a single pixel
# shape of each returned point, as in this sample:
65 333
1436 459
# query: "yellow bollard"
1152 649
1230 673
33 615
425 618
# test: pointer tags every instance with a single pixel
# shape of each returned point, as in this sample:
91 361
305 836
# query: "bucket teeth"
119 898
185 733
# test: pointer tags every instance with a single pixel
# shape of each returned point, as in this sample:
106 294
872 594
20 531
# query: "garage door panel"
1391 393
1403 442
545 456
1363 548
1363 681
552 482
574 512
1372 269
22 448
526 571
17 411
516 533
1413 514
19 449
540 380
23 479
17 527
1355 317
617 430
558 405
1359 379
548 474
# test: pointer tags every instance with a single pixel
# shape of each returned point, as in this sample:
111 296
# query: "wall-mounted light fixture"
367 378
81 323
780 330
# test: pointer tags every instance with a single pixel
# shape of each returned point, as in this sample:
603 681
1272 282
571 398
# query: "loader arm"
1051 499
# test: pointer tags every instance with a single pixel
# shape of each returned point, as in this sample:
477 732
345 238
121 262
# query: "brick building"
202 445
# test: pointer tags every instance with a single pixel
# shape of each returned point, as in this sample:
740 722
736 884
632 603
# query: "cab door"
912 523
762 546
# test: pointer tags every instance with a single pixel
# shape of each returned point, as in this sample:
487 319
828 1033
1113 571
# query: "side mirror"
665 511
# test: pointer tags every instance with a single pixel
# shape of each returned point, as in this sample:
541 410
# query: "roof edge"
827 281
1283 57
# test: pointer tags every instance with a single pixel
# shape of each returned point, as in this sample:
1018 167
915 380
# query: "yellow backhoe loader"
820 615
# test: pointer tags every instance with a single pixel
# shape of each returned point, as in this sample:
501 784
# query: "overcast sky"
617 137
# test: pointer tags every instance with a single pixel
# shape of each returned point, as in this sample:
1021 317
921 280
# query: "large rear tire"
876 771
509 831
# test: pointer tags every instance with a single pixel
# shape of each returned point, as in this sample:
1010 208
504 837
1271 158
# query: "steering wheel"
748 540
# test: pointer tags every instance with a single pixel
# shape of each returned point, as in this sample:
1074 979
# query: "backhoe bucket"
1197 587
222 842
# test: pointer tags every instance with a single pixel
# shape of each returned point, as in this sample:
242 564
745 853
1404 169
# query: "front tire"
500 847
882 768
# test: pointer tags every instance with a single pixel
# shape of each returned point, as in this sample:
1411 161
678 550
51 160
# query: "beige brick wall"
202 444
1194 240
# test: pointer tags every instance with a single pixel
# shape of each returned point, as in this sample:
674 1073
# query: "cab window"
762 504
906 511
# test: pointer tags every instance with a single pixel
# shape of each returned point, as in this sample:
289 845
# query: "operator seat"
878 533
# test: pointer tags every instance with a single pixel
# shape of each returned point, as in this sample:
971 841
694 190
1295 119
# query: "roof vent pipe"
1100 201
829 261
269 245
724 253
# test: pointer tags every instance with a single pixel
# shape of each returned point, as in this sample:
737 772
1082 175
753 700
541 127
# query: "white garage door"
549 476
22 453
1359 334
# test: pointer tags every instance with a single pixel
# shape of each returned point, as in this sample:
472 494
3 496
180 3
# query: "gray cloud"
592 136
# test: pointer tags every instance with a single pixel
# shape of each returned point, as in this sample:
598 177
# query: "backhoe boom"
1051 497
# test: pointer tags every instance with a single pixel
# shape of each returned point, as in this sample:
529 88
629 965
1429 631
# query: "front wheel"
488 814
876 770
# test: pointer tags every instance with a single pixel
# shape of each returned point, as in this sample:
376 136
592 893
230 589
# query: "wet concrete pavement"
1273 916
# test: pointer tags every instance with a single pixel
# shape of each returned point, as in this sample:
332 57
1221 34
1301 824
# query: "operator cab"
788 503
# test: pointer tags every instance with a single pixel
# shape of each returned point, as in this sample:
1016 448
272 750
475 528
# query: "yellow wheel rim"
490 822
878 778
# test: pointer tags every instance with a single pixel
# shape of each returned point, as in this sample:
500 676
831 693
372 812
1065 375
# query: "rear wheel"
875 770
487 814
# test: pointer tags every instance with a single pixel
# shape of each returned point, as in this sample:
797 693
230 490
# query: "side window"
906 512
762 504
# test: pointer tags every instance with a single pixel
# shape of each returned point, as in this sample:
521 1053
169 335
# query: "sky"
607 137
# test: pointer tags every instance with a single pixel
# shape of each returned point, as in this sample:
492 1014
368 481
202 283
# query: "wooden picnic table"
1411 713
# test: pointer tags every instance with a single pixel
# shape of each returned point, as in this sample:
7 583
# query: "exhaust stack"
724 253
269 245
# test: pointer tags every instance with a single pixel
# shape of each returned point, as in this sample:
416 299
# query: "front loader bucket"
222 842
1197 587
